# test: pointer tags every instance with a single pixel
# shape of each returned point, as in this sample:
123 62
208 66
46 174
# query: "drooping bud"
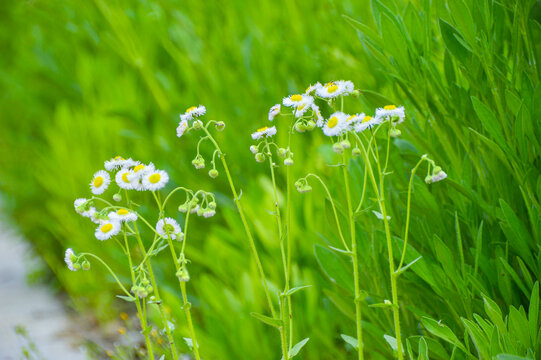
300 127
345 144
337 148
253 149
220 125
288 161
259 157
86 265
282 152
213 173
197 124
310 125
356 152
117 197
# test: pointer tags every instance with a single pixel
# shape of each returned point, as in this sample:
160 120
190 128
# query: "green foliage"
84 81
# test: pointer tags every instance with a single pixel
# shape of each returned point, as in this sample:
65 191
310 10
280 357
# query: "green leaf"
533 312
126 298
391 341
404 268
521 240
267 319
423 349
450 38
489 120
334 267
295 289
510 357
351 341
297 347
480 340
494 313
442 331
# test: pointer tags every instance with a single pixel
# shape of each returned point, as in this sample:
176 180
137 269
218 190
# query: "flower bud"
86 265
282 152
394 132
253 149
183 275
213 173
345 144
310 125
183 208
356 93
149 289
300 127
337 148
428 179
200 211
197 124
288 161
212 205
220 125
259 157
77 267
356 152
117 197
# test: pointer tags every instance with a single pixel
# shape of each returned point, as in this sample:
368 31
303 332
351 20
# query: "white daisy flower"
125 179
335 88
302 109
86 211
100 182
439 176
397 114
317 113
118 162
336 124
310 89
154 180
264 132
140 169
182 126
69 258
169 226
367 122
297 99
275 110
193 112
107 228
122 215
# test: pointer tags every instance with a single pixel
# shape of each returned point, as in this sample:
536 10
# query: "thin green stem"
186 305
358 309
110 271
244 223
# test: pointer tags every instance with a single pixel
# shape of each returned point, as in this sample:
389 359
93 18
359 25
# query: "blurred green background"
81 82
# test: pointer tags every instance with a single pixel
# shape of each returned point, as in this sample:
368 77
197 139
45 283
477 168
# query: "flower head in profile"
122 215
335 88
396 114
154 180
367 122
437 175
193 112
118 162
313 87
275 110
336 124
296 100
182 127
264 132
320 120
83 207
106 229
70 258
169 227
100 182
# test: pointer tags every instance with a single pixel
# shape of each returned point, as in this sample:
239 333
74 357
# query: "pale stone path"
32 306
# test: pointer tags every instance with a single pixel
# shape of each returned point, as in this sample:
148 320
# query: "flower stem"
168 332
244 223
358 314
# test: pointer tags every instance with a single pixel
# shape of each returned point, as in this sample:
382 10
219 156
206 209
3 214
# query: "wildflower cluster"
121 222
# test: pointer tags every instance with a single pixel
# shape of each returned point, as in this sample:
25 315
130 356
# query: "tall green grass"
83 81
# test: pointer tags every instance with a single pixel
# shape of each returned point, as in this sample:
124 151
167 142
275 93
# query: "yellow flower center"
122 212
138 167
332 122
125 178
389 107
118 158
296 97
262 129
351 117
98 180
191 109
332 88
300 107
106 228
367 118
154 178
